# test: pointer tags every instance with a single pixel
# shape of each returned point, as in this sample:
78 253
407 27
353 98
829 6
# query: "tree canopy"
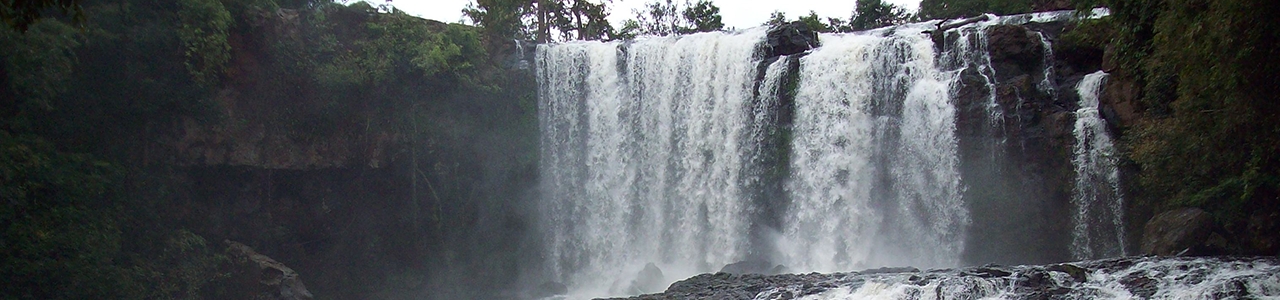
949 9
668 17
542 20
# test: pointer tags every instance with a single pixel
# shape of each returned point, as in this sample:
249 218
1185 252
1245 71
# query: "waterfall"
875 179
642 154
692 152
1096 196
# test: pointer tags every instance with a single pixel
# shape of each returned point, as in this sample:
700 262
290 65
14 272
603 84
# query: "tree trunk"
544 29
577 19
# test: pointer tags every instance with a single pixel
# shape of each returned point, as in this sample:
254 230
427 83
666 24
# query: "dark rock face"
1185 231
790 38
1015 158
1014 51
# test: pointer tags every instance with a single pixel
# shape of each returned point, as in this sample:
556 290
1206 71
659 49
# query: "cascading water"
642 155
1138 278
1099 231
875 177
690 153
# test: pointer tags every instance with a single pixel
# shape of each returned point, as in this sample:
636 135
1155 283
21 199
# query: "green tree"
500 19
869 14
659 18
776 18
814 22
702 16
666 18
543 20
948 9
203 32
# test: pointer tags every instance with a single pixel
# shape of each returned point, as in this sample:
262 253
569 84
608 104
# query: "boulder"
790 38
1186 231
1077 273
274 278
753 267
890 270
649 280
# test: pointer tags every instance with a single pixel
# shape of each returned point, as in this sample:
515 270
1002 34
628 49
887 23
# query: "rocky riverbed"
1120 278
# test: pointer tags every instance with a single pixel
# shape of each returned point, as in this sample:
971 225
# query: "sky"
737 13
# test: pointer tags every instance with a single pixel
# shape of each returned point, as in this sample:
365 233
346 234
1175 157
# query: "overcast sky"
737 13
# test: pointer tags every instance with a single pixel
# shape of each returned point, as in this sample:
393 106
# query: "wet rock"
1077 273
790 38
1120 98
1179 232
754 267
649 280
987 272
1014 50
1033 279
890 270
548 289
1140 285
276 280
1143 277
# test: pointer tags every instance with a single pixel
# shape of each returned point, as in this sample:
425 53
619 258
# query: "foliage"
501 19
45 56
204 35
659 18
58 243
869 14
702 16
667 18
543 20
21 14
949 9
1210 73
401 45
814 22
776 18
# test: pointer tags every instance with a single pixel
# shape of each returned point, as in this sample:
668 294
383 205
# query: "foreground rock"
790 38
753 267
276 280
1188 231
1145 277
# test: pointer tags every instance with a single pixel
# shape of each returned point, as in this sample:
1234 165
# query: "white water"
647 147
1099 231
874 167
642 154
1172 278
